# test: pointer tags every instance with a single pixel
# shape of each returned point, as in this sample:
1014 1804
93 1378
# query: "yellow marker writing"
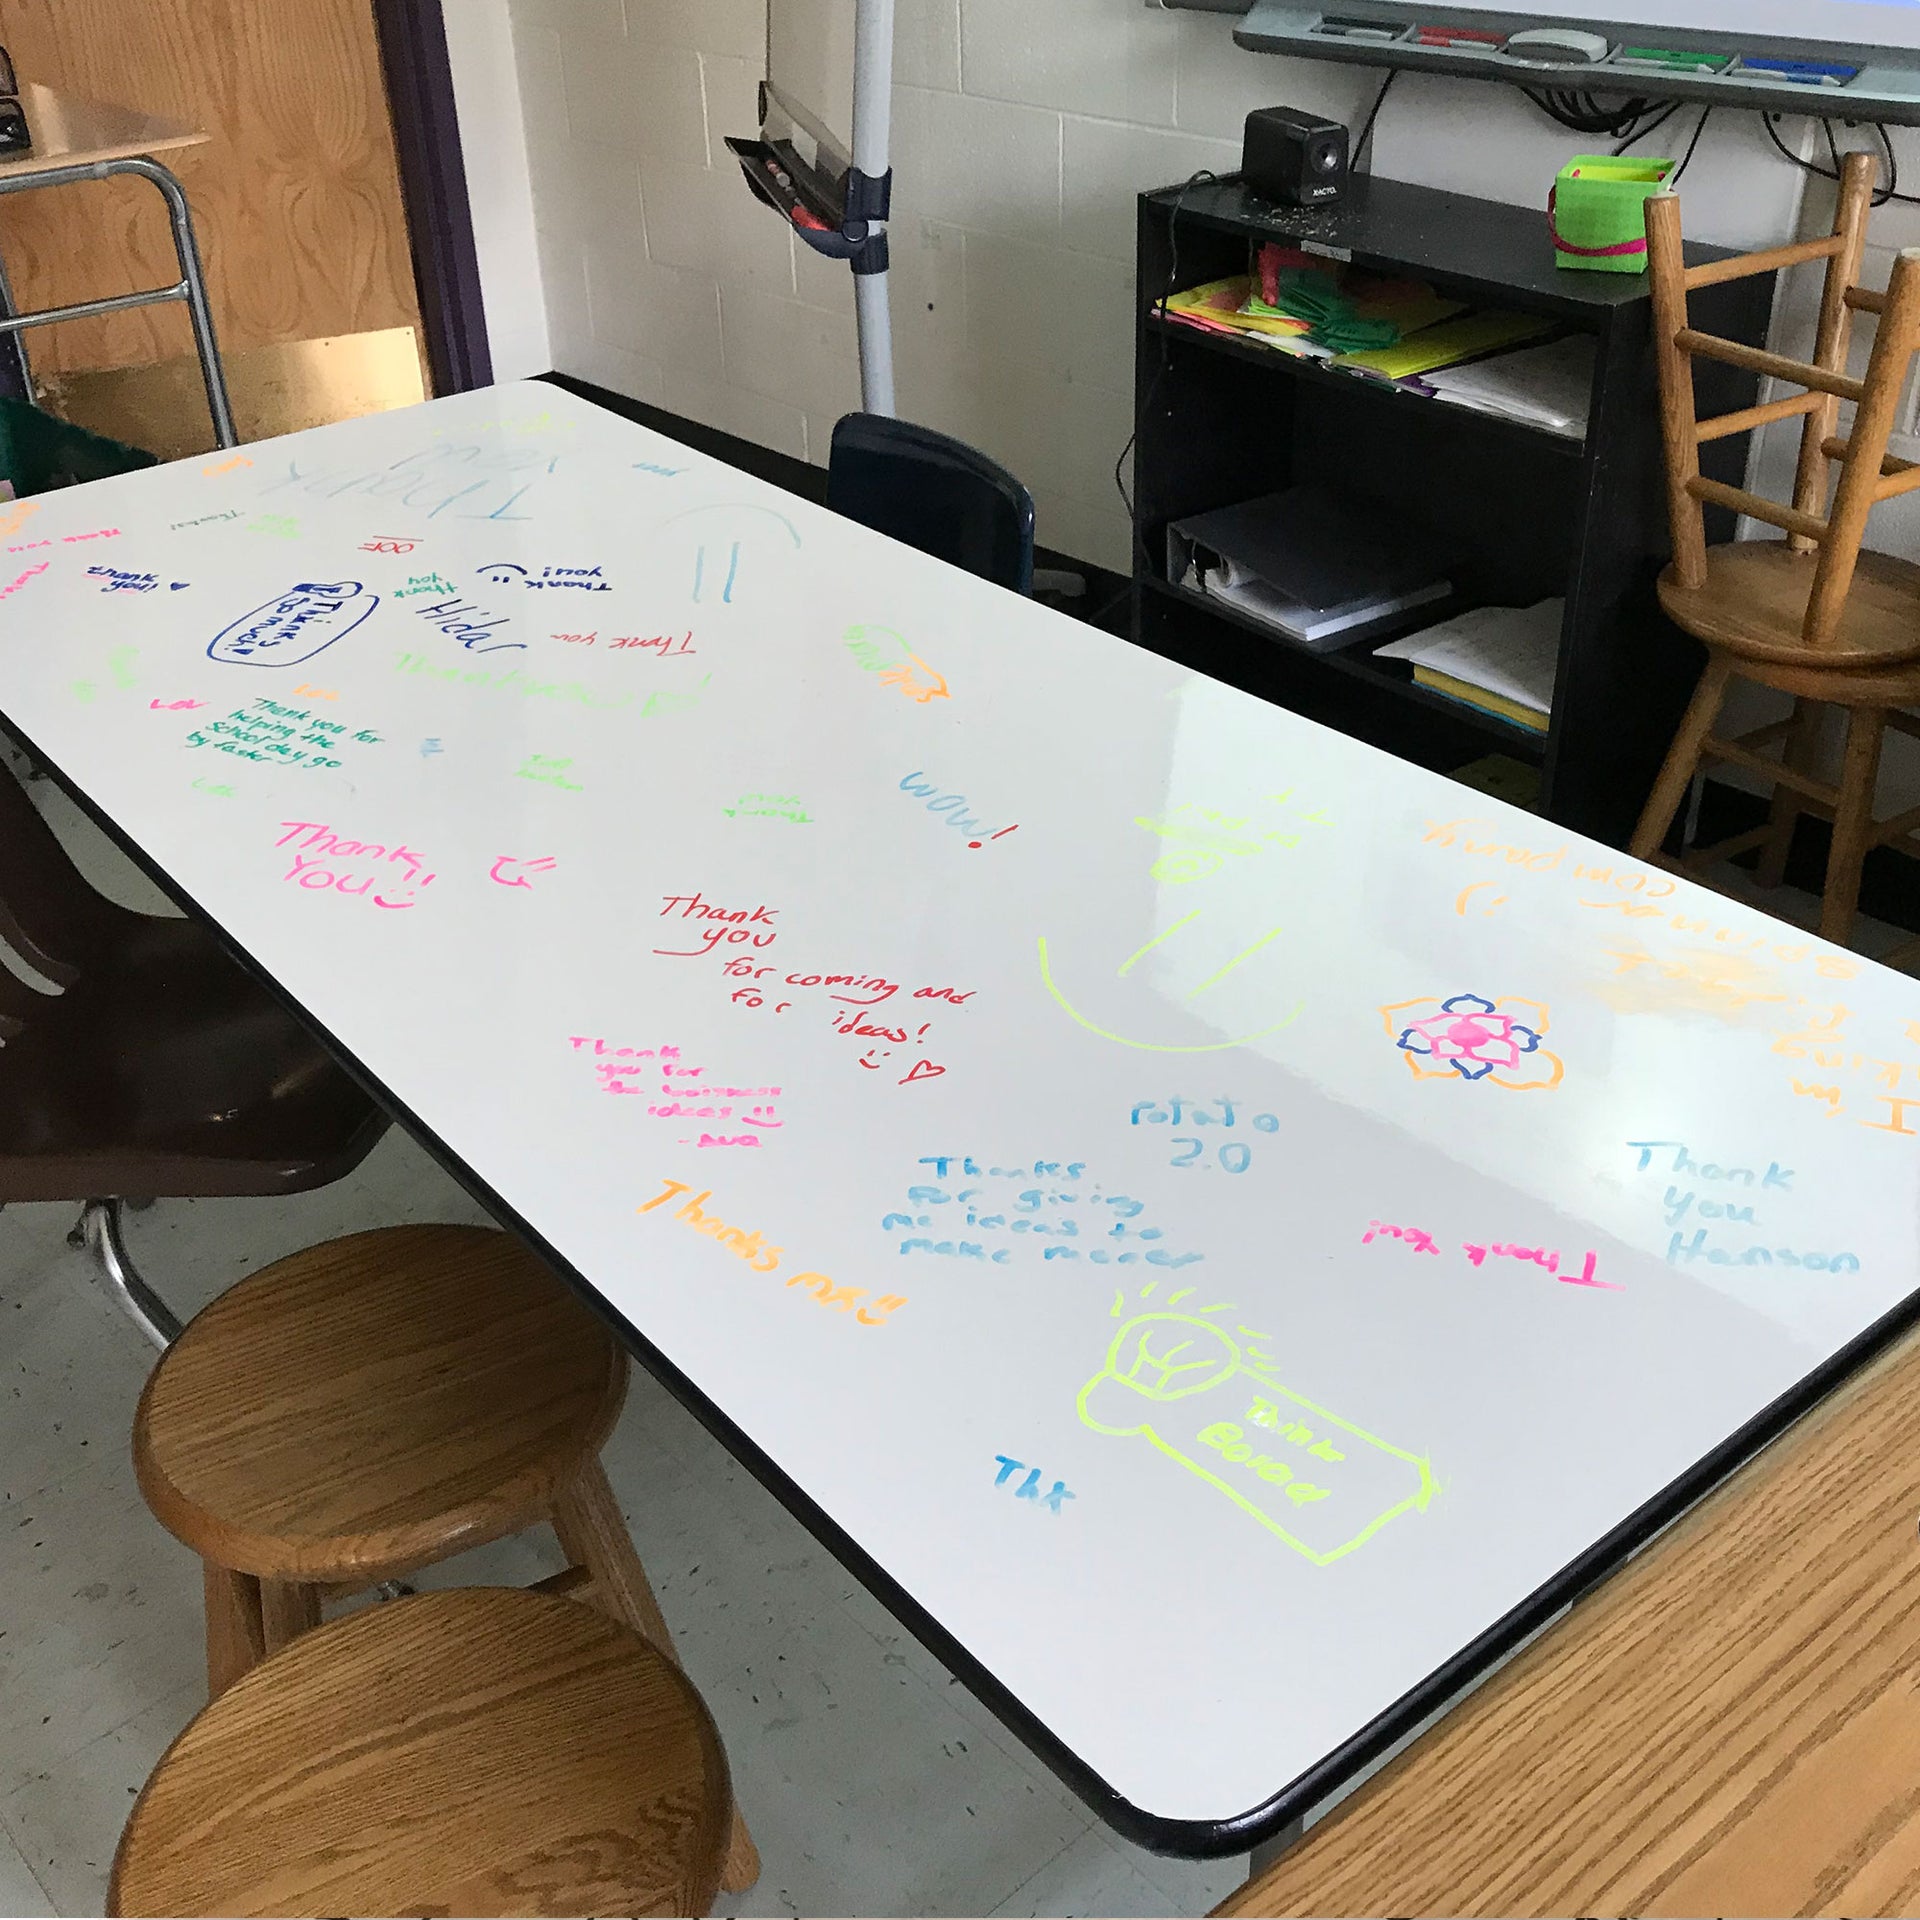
1312 1479
1147 1046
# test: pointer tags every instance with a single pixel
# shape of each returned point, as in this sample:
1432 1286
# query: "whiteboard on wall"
1842 29
1212 1221
1852 25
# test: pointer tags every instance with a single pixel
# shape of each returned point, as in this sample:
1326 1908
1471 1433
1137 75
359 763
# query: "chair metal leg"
18 340
98 1230
191 287
199 309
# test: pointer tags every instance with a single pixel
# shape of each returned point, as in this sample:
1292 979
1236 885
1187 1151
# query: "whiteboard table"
1224 1231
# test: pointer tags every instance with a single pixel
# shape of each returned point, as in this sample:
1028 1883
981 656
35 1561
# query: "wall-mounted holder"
861 235
843 215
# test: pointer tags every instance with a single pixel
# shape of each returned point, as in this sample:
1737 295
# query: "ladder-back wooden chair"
1816 615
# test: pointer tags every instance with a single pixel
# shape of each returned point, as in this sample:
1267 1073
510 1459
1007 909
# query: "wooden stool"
364 1408
483 1751
1813 616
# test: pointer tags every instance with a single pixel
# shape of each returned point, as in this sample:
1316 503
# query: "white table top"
1217 1216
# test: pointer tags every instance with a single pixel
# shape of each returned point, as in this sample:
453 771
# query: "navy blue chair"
930 491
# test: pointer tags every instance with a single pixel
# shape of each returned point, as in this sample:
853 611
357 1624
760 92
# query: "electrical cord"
1693 147
1628 123
1362 146
1582 112
1360 150
1166 358
1654 125
1882 197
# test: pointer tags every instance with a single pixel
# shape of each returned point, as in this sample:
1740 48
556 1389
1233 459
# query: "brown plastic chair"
159 1070
1815 615
482 1751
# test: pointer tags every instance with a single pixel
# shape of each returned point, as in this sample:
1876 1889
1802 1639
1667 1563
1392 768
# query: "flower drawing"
1469 1037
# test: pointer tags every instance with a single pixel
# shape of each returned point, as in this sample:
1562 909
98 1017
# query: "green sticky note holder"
1598 211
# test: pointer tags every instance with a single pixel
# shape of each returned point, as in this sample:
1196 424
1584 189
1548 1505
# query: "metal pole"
7 309
91 309
202 314
872 133
190 287
98 1230
872 86
875 318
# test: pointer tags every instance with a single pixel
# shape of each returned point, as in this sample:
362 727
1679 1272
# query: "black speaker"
1295 157
14 134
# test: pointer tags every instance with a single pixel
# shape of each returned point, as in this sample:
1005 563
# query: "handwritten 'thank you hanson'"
303 621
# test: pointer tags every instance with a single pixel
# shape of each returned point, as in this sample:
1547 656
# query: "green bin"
39 453
1598 211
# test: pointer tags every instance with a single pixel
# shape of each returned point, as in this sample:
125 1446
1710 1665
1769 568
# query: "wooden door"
296 197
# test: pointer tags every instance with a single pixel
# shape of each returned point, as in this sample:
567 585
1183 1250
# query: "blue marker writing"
304 621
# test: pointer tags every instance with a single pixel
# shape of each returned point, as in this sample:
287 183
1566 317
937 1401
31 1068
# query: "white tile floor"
873 1781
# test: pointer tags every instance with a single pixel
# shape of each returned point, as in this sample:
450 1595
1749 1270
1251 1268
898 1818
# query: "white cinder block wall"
1023 131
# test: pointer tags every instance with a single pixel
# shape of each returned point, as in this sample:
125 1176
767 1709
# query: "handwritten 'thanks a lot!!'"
751 1248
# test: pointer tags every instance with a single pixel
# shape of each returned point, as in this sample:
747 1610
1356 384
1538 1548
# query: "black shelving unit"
1526 515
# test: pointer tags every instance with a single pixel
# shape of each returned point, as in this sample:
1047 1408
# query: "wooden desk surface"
71 132
1730 1726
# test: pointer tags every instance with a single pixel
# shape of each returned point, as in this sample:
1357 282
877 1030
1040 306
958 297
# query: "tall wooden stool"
1814 615
364 1408
483 1751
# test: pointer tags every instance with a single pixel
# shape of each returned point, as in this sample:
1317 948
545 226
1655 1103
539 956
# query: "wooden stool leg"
236 1639
1801 751
1852 824
593 1534
1683 758
288 1608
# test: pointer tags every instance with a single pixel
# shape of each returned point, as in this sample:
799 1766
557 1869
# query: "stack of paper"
1314 568
1549 386
1448 344
1220 307
1346 308
1501 660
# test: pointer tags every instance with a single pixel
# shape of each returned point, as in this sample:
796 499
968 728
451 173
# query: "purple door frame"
433 186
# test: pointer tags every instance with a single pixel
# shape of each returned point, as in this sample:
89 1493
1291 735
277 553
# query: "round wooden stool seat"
373 1404
481 1751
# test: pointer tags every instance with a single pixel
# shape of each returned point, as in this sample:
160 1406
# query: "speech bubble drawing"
305 620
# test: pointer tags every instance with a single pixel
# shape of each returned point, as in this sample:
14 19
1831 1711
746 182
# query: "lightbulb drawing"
1183 1383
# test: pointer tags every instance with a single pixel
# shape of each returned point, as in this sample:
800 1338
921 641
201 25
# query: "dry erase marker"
1672 60
1378 32
1802 73
1458 37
